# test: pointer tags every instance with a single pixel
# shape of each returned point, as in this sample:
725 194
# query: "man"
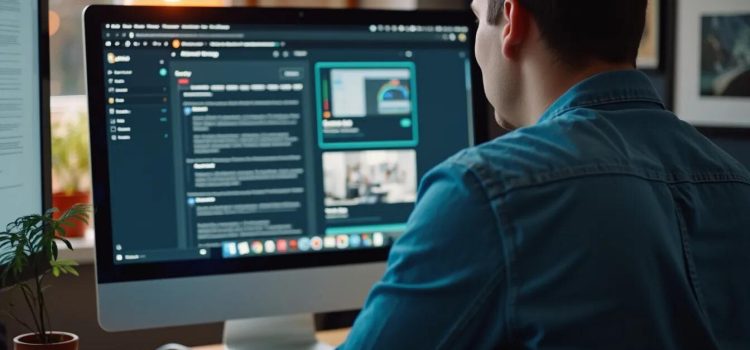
601 222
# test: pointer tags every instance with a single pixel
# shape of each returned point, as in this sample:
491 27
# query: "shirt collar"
605 88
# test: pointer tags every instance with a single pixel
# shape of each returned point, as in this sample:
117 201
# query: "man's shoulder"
585 143
518 158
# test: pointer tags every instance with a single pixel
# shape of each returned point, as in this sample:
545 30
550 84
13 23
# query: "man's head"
528 47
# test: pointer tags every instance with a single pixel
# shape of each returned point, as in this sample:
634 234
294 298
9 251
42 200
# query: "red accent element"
63 202
326 105
281 245
183 81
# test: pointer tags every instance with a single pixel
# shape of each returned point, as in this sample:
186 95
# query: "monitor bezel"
44 103
96 16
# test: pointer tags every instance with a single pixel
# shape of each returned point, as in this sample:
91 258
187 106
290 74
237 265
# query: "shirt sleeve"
445 279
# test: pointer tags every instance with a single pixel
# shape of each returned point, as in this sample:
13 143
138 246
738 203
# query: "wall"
392 4
442 4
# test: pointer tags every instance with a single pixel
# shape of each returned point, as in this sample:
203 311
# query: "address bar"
243 44
162 35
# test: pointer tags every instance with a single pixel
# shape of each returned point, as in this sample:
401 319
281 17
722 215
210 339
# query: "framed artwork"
649 53
712 74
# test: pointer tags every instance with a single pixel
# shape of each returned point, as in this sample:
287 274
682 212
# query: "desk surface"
334 337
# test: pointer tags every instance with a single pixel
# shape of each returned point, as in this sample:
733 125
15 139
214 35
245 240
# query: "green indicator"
406 123
163 72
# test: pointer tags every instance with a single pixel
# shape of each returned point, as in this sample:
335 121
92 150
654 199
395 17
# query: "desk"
334 337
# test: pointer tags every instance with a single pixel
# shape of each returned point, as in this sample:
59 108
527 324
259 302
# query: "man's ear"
515 30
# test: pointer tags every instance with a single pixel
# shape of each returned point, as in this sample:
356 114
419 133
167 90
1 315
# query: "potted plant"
70 166
28 248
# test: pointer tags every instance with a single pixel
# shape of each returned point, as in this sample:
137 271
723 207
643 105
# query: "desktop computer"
255 164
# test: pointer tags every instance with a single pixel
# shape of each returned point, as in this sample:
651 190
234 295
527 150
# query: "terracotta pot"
63 202
64 341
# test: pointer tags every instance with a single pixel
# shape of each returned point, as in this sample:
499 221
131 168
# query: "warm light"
303 3
54 23
177 2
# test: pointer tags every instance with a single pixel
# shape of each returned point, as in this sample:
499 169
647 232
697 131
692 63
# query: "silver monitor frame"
133 305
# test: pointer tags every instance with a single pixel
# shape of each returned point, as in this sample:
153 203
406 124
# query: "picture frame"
712 68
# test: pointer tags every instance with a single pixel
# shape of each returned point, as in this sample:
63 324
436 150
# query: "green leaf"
64 267
66 263
54 251
61 230
69 269
29 235
67 243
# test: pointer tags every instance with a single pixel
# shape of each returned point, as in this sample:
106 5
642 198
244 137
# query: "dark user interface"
234 141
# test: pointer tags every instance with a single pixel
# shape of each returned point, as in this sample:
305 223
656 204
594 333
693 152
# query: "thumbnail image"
371 92
370 177
725 56
387 97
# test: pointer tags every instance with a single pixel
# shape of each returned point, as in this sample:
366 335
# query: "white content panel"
20 136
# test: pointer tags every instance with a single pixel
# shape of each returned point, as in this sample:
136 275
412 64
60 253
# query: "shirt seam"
492 284
693 278
502 224
688 253
604 101
505 226
587 171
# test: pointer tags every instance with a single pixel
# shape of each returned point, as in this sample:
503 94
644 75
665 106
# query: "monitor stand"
279 333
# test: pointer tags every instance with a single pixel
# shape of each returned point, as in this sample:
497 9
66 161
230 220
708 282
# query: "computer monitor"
255 163
24 110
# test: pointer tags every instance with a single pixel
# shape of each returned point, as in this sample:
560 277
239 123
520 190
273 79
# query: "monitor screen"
236 145
21 136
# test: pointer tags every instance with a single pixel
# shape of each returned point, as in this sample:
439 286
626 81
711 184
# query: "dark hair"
580 31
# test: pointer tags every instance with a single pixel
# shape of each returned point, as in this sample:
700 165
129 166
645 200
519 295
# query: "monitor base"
279 333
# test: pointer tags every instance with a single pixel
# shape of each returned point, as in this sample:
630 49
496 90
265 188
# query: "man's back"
609 224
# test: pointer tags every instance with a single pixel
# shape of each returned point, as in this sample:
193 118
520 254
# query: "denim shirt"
610 224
